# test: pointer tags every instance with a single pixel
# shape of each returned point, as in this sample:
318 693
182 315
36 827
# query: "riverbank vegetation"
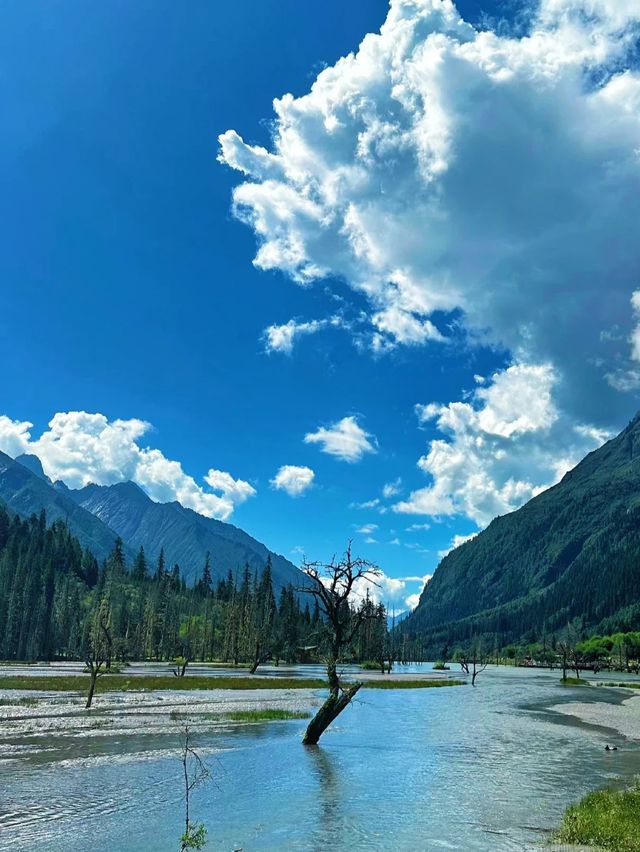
607 819
149 683
571 647
411 684
269 714
57 602
141 683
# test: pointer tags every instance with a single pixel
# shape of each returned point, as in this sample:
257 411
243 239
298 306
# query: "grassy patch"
410 684
123 683
370 666
141 683
270 715
267 715
18 702
625 683
574 681
607 819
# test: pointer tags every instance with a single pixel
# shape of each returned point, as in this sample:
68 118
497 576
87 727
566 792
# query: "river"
490 768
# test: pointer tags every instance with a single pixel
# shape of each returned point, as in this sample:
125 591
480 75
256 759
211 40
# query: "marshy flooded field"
490 768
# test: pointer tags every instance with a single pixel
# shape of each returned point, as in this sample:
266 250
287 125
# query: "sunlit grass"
18 702
607 819
270 714
123 683
410 684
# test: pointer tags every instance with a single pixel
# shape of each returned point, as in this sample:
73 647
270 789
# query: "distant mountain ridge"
98 514
572 551
26 492
185 536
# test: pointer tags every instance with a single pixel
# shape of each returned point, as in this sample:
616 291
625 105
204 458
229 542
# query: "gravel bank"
122 713
623 718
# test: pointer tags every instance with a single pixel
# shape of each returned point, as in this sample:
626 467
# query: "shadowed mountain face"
33 464
572 551
26 491
185 536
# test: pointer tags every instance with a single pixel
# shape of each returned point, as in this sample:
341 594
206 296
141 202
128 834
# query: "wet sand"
623 718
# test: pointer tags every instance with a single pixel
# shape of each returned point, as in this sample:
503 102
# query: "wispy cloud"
392 489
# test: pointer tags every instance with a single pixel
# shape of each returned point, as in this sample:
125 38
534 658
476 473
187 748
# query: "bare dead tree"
332 585
473 661
99 648
194 773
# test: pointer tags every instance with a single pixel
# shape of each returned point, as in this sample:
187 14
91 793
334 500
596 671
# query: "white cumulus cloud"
412 601
14 436
80 447
346 440
444 168
500 449
294 479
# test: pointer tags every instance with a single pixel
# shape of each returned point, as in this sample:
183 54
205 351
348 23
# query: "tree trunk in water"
330 710
256 660
92 686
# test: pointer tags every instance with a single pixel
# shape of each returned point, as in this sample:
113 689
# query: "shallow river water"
489 768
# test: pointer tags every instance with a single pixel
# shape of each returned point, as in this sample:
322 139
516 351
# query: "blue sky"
129 288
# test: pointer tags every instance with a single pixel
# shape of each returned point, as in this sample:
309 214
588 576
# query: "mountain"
185 536
573 551
33 464
26 491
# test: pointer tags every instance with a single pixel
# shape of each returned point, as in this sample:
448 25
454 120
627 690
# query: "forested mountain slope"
28 493
571 552
185 536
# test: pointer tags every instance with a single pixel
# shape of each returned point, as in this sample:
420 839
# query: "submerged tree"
332 586
194 773
474 660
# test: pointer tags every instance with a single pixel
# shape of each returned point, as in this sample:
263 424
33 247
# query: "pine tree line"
55 598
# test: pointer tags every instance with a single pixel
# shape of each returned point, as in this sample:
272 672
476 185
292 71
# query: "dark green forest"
53 593
570 554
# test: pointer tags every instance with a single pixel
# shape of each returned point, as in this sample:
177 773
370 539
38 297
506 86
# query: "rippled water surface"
489 768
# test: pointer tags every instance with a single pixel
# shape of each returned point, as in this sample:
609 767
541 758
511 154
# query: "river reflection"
489 768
